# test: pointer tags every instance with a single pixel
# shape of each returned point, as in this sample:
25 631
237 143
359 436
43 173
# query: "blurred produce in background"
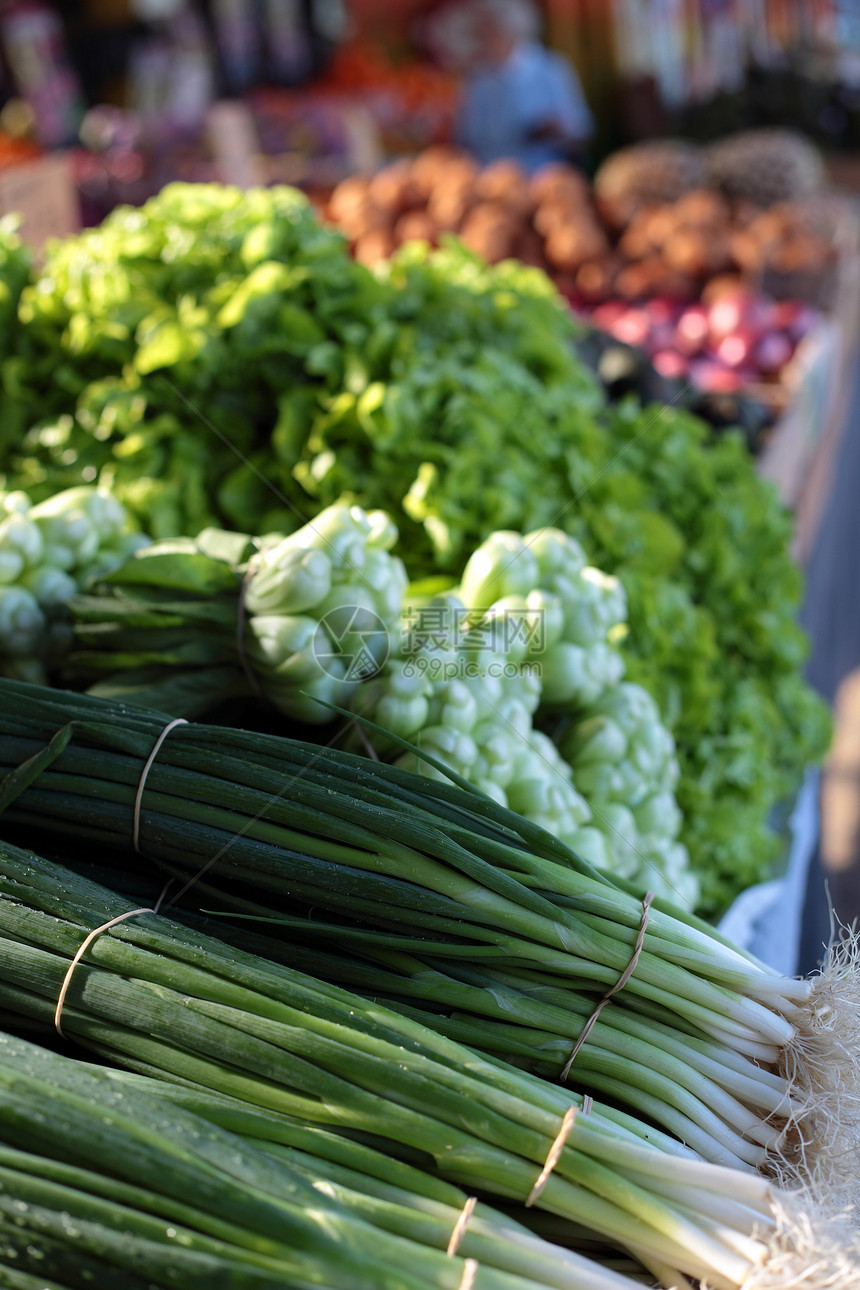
675 250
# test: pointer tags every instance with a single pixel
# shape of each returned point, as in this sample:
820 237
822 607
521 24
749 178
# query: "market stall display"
251 479
412 102
402 698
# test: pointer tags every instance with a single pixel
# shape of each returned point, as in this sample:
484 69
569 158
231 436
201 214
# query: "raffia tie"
557 1147
470 1271
85 945
619 984
135 832
461 1225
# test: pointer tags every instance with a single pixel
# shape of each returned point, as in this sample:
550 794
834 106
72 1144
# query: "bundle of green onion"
468 885
729 1111
164 999
669 1076
124 1182
397 1196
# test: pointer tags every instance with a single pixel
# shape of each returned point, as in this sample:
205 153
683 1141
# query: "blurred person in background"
521 100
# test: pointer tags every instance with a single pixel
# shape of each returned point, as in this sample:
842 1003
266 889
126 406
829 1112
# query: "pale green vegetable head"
556 553
504 565
288 580
51 587
22 622
19 534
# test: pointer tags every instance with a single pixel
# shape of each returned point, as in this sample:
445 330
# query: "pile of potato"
551 220
675 248
791 237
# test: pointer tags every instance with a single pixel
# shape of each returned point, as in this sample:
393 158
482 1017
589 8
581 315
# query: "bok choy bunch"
525 649
293 619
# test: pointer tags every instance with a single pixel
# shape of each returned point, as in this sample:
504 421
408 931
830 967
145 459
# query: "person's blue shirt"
504 105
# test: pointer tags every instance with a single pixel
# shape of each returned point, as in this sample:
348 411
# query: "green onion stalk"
470 885
163 999
121 1182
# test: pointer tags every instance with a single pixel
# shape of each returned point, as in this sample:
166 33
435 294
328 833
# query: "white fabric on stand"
767 919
